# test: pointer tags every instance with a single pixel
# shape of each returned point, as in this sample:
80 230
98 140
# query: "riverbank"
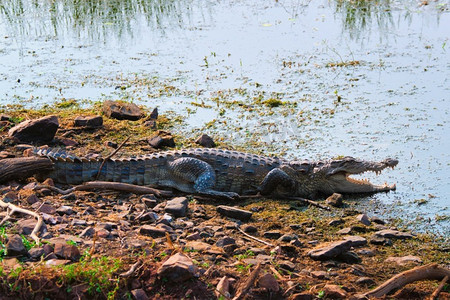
103 244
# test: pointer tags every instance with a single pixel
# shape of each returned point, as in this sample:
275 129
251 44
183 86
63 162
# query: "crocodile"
223 173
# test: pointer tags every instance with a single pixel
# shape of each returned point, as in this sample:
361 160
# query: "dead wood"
253 238
21 168
133 269
436 292
106 185
248 283
11 209
299 199
428 272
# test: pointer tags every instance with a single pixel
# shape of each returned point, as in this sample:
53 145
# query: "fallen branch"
428 272
132 270
21 168
306 201
436 292
106 185
109 156
248 283
11 209
252 237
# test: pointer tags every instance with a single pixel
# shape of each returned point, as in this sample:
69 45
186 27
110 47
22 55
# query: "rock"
153 231
335 222
122 110
88 122
377 220
67 142
345 230
379 240
235 213
404 260
36 253
357 241
31 199
365 281
269 282
225 241
154 114
57 262
10 196
287 265
364 219
205 141
38 130
330 251
249 229
319 274
333 291
349 257
193 236
335 200
287 238
66 251
26 226
78 222
149 200
139 294
177 206
272 234
15 246
87 232
393 234
161 139
367 252
44 208
64 210
177 268
148 217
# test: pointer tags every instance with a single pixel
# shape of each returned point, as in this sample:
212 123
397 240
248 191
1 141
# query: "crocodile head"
334 176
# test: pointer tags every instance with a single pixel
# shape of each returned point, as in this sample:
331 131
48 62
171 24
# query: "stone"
153 231
287 237
31 199
319 274
224 241
349 257
379 240
122 111
364 219
335 222
357 241
64 210
367 252
148 217
88 121
205 141
38 130
269 282
223 288
272 234
335 200
10 196
57 262
139 294
26 226
377 220
287 265
149 201
393 234
235 213
249 229
161 139
302 296
333 291
15 246
87 232
45 208
78 222
193 236
177 206
365 281
345 230
36 253
66 251
330 251
404 260
177 268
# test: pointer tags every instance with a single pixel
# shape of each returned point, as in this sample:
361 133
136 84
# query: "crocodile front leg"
200 174
277 180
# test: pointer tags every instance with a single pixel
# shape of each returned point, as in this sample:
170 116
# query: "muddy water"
306 79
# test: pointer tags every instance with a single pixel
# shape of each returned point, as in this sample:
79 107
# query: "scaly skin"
223 173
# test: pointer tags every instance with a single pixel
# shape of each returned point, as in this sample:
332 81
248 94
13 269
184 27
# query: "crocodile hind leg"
200 174
277 180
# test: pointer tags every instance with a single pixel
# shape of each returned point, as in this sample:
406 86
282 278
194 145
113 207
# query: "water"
364 78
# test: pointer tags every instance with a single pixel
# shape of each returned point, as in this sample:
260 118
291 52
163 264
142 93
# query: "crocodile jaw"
343 183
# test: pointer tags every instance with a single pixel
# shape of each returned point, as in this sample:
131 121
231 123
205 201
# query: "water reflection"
93 20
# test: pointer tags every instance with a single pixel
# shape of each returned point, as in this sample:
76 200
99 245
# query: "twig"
11 208
133 269
280 277
430 271
106 185
436 292
109 156
310 202
252 237
248 283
